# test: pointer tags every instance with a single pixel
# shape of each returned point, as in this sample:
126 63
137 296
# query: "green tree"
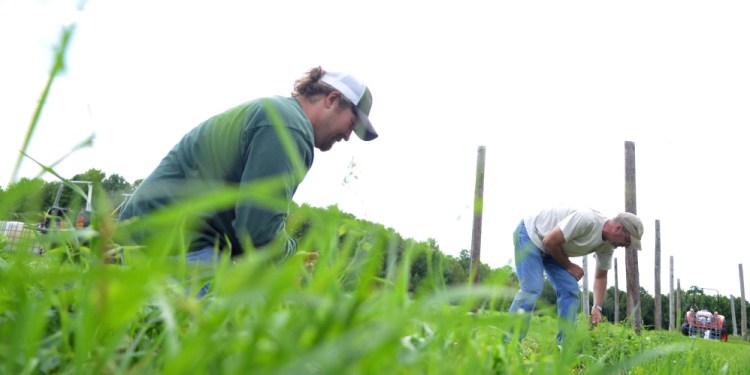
49 192
664 311
114 187
92 175
116 184
647 308
453 271
609 304
137 183
464 259
426 270
22 201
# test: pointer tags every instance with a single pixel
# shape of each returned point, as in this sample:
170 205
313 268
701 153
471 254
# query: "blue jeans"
531 263
204 256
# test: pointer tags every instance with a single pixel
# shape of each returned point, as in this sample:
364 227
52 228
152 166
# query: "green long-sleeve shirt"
235 148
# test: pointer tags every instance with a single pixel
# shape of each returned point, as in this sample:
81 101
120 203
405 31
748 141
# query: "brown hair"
310 86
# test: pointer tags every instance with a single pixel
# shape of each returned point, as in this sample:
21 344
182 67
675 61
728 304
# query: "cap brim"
635 243
363 128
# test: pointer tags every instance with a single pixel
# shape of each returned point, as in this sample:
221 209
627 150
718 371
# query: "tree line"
28 199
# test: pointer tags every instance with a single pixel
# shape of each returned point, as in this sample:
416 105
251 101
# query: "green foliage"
92 175
115 186
28 199
22 201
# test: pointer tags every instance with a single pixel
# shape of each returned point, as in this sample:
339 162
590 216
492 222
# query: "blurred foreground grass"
79 314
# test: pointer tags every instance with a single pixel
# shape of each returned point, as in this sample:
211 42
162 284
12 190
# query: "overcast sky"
551 89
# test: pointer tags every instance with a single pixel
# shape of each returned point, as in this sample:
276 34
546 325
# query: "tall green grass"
73 310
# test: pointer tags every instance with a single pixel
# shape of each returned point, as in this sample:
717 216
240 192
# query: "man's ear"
331 98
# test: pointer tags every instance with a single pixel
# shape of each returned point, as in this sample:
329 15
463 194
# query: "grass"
89 316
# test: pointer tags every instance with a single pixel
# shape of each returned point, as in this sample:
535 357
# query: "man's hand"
600 286
576 271
596 316
309 259
553 242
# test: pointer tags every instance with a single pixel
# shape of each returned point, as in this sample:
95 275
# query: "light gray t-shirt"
582 229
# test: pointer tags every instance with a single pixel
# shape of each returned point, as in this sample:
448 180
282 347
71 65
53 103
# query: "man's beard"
326 146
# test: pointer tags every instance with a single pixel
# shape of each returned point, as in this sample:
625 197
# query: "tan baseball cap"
633 225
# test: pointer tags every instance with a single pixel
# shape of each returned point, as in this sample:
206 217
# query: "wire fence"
16 235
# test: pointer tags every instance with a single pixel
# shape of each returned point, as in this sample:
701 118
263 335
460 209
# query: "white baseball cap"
357 93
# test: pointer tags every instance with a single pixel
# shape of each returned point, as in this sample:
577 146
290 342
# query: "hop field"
97 307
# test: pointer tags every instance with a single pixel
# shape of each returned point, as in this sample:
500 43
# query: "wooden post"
657 278
678 309
617 297
671 293
476 233
585 301
743 306
631 256
734 316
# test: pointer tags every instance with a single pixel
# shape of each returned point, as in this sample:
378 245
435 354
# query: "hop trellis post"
743 306
476 233
671 293
657 277
631 256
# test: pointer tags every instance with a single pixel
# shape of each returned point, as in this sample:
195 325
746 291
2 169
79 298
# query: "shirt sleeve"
267 162
604 257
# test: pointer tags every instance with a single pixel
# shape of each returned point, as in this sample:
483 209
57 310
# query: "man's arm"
600 287
553 245
268 166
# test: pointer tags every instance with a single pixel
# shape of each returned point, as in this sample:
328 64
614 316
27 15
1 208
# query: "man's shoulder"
279 103
264 114
286 109
575 215
582 223
588 215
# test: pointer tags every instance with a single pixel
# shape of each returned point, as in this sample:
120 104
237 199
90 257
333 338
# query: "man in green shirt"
247 144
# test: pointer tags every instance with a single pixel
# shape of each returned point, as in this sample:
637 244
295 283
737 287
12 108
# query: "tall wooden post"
743 306
476 233
678 309
631 256
734 316
617 297
671 293
657 277
585 304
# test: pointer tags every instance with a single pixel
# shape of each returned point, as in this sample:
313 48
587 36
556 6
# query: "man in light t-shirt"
545 241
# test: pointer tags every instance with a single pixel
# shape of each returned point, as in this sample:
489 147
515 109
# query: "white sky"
551 89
